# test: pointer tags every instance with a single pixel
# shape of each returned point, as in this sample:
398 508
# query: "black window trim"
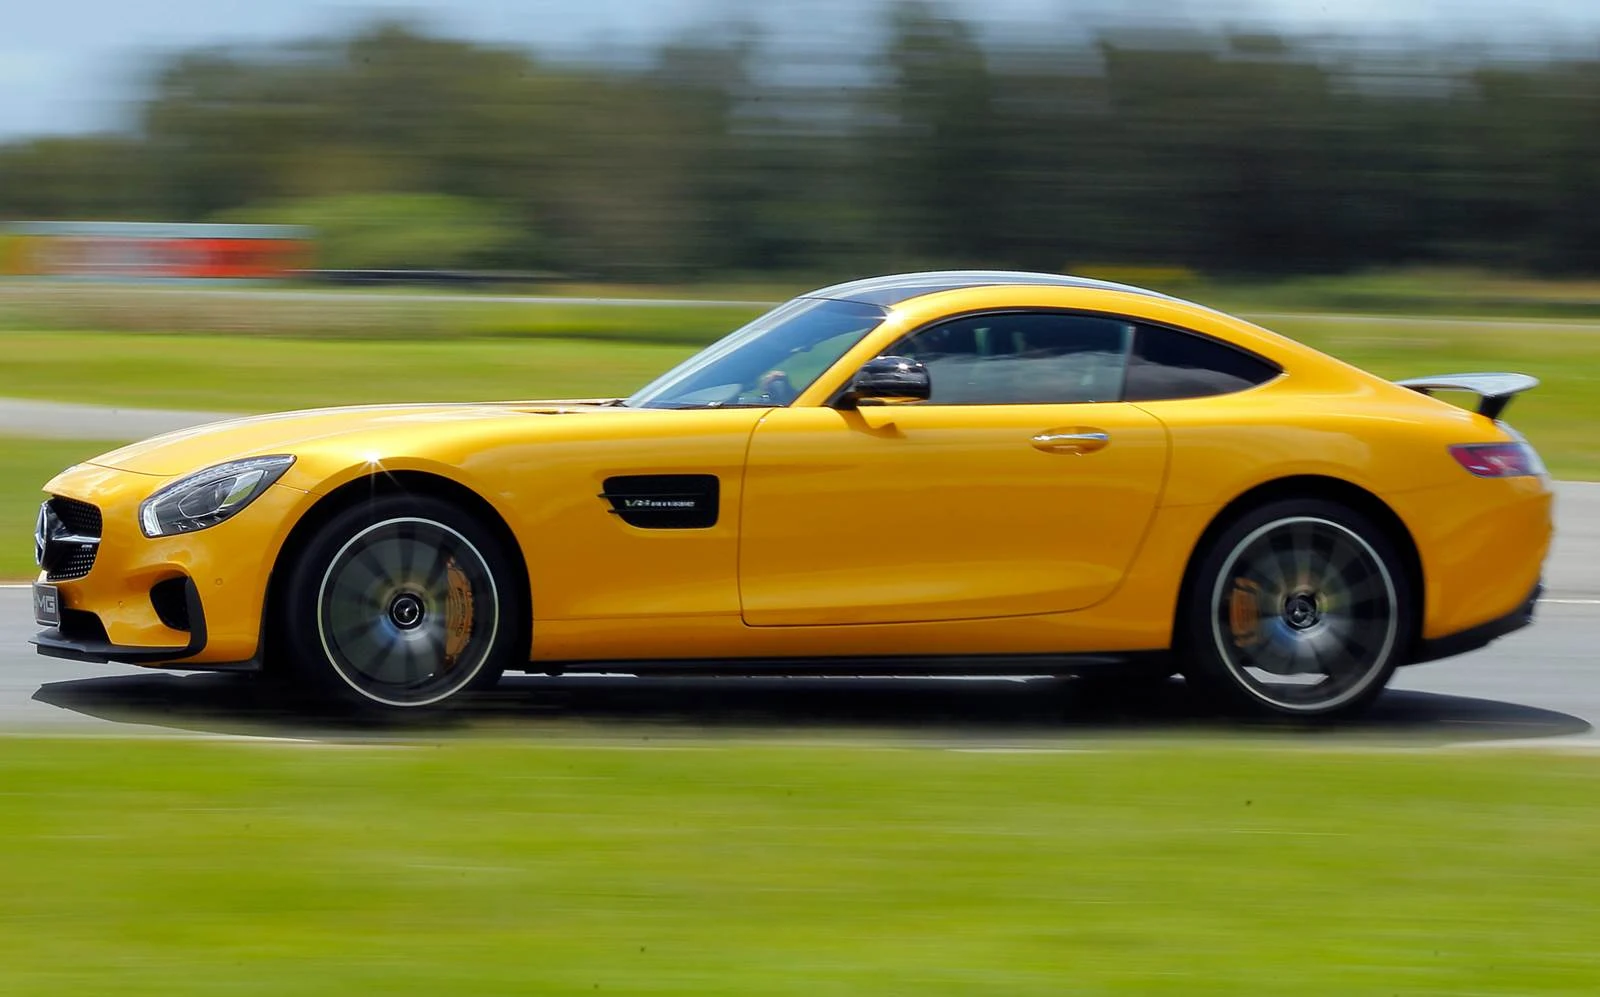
1122 395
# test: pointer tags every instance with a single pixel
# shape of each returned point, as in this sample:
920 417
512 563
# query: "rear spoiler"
1494 391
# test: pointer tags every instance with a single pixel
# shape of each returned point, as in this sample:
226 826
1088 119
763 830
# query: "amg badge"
46 605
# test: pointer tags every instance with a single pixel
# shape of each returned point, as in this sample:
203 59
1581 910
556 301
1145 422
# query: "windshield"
768 362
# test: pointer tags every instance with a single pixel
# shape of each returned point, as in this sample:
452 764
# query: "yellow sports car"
934 472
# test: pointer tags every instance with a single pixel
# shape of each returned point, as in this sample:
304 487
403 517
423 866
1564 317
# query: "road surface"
1538 686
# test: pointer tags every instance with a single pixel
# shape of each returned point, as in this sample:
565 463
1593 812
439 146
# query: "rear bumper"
1482 544
1473 638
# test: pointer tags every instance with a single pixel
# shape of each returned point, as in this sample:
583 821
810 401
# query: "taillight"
1497 460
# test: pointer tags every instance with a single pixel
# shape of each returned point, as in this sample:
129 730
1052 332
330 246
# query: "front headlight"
208 497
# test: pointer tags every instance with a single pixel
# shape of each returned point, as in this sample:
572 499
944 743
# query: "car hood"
201 446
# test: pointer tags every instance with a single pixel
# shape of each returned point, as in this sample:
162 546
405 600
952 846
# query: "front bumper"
81 637
1472 638
110 613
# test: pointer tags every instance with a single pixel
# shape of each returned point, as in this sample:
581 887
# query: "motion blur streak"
928 140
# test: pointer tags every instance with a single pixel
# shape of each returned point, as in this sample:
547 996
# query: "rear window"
1167 364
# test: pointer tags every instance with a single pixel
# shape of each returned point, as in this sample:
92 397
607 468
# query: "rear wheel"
1299 608
402 603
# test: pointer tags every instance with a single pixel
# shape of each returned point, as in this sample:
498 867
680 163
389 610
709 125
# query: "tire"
1298 608
401 604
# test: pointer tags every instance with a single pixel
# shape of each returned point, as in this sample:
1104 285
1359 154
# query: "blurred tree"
721 153
96 176
939 150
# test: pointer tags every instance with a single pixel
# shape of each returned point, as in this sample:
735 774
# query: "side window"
1168 364
1022 358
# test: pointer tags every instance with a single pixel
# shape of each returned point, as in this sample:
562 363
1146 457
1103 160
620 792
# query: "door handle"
1076 441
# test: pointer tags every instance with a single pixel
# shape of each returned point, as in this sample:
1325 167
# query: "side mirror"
888 381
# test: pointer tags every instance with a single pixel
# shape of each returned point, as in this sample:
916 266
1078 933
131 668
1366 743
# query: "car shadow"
974 711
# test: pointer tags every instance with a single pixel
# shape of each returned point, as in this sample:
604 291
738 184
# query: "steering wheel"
774 387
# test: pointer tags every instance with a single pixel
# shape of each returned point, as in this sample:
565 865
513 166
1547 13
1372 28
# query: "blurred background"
686 140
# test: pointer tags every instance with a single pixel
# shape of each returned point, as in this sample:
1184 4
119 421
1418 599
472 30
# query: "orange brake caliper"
457 614
1244 612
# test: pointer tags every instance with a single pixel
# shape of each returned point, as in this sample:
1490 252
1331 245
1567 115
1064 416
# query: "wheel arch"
400 483
1316 486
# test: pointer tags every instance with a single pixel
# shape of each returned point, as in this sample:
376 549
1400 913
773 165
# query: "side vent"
171 601
664 501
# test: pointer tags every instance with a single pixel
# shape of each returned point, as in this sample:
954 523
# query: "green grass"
169 869
25 465
1419 291
395 312
244 374
359 315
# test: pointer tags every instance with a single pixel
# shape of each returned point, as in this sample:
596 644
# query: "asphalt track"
66 421
1540 686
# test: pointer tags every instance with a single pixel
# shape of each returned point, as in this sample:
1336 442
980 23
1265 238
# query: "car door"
1022 485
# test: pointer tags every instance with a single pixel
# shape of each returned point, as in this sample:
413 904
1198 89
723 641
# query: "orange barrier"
139 251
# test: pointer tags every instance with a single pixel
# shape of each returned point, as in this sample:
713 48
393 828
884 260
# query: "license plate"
46 605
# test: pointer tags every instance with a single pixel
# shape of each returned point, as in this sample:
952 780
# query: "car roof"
893 289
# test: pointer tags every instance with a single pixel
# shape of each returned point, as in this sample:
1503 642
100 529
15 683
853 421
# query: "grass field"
1412 292
393 312
214 373
361 315
162 868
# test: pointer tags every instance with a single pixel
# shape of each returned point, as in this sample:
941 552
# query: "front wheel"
400 603
1298 608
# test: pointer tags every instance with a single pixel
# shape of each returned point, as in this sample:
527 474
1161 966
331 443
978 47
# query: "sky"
75 65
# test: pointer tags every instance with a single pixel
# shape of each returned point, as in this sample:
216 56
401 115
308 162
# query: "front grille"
79 519
76 565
